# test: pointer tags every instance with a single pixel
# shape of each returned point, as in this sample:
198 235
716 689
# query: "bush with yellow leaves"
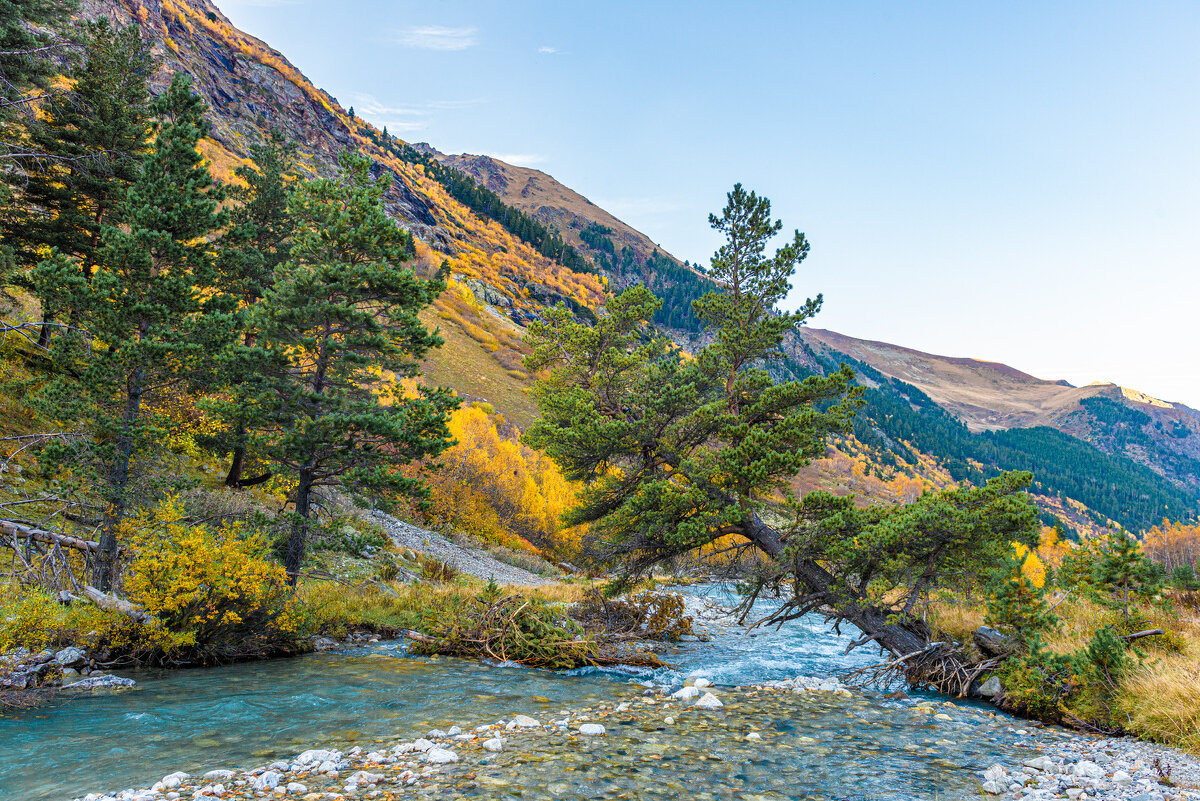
491 485
215 592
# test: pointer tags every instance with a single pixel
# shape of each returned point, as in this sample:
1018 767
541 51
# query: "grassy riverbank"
1156 698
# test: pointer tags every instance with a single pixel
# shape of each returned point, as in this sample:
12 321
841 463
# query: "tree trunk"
106 564
44 333
901 639
234 477
21 531
299 535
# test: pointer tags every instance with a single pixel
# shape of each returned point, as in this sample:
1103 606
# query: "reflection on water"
240 716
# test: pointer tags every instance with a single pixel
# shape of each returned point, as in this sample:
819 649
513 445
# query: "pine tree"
695 443
144 310
1123 574
92 140
1016 605
342 313
27 62
252 252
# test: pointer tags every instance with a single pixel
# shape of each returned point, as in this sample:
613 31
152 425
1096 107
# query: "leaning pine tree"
342 312
677 452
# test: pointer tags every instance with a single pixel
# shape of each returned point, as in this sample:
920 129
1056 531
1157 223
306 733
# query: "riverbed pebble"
1047 764
440 756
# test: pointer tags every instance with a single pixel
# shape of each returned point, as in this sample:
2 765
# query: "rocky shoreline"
565 755
26 676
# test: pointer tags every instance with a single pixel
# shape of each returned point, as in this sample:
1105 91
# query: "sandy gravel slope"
466 560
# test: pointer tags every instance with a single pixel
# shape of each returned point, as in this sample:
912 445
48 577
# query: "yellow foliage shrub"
493 486
213 588
34 619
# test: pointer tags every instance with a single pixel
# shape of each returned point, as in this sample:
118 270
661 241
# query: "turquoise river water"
250 714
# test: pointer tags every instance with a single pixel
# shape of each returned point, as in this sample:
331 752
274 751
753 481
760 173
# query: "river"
249 714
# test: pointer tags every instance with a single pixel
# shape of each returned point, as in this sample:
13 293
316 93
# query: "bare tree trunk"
106 564
234 477
901 639
299 535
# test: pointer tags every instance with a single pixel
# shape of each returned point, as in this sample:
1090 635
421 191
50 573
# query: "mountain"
539 194
987 396
515 240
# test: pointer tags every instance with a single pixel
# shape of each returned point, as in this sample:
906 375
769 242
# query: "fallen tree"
13 531
677 453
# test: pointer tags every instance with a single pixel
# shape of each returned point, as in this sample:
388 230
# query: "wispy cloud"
547 50
519 159
406 118
370 106
436 37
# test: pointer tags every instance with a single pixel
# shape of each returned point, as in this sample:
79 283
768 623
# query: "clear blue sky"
1016 181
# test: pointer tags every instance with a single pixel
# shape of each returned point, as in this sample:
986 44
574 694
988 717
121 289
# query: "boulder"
591 729
494 744
995 773
102 683
267 781
991 642
686 693
709 701
71 657
316 756
1087 770
991 688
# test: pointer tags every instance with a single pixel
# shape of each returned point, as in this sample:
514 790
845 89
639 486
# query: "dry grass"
466 367
1159 699
957 617
1162 700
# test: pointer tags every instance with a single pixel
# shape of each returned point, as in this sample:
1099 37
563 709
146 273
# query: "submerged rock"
523 722
440 756
686 693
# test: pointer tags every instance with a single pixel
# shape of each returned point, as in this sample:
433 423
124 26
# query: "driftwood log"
111 603
11 529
